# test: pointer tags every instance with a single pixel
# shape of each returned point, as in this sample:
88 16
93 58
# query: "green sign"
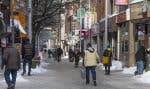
81 13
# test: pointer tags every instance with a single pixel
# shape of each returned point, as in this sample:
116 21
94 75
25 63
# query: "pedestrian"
147 59
27 52
140 60
90 61
49 53
107 60
77 57
71 55
11 62
59 53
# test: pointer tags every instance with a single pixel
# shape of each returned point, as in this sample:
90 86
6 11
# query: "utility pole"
30 20
12 22
80 26
106 24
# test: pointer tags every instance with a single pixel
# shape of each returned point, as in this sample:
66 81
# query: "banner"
121 2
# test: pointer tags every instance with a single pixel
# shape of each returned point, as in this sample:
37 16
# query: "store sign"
136 12
121 17
121 2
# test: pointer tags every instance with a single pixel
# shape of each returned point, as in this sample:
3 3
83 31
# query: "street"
63 75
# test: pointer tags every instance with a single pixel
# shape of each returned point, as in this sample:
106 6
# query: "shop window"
125 46
122 8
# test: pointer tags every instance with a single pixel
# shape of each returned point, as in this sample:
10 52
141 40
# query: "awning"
18 25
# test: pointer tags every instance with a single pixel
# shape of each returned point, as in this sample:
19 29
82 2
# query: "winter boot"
23 73
95 84
87 82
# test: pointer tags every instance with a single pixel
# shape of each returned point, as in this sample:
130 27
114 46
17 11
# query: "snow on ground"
19 78
116 65
65 57
39 69
130 70
44 64
144 78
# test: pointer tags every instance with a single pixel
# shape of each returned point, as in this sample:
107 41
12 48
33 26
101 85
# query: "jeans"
76 61
93 72
13 73
107 69
29 61
140 67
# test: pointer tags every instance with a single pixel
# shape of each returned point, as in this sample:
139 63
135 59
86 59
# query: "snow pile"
145 78
130 70
116 65
44 64
65 57
38 70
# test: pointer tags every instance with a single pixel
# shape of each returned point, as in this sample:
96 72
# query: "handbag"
83 72
105 60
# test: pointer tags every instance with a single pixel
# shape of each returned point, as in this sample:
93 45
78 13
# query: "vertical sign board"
121 2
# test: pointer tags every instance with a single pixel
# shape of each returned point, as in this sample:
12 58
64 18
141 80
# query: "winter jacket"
108 53
27 50
91 57
140 54
11 58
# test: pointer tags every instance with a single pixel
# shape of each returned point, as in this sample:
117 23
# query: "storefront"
122 37
141 20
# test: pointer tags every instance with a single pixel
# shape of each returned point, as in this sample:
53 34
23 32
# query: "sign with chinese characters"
121 2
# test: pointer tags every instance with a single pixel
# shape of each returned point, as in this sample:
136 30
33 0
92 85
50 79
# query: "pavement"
63 75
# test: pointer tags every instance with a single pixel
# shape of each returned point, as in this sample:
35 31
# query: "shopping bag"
83 72
105 60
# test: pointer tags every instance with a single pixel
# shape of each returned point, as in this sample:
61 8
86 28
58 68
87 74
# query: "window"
122 8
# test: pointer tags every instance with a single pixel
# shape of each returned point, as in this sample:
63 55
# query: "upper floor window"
123 8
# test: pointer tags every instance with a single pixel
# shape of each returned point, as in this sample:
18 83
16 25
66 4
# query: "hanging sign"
121 2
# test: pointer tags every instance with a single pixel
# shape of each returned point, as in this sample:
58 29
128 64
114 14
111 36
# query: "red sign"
121 2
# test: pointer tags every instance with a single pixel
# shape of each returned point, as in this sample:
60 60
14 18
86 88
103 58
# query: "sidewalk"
63 75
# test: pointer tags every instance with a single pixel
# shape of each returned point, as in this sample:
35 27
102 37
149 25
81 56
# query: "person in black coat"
59 53
71 55
77 57
28 53
140 60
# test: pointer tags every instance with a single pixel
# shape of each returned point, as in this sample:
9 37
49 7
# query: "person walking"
90 61
49 53
71 55
11 62
107 60
59 53
140 60
27 52
147 60
77 57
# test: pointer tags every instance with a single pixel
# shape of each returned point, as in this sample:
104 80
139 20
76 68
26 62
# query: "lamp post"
30 20
106 24
12 22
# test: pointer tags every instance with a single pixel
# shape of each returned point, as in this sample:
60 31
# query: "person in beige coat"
91 59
